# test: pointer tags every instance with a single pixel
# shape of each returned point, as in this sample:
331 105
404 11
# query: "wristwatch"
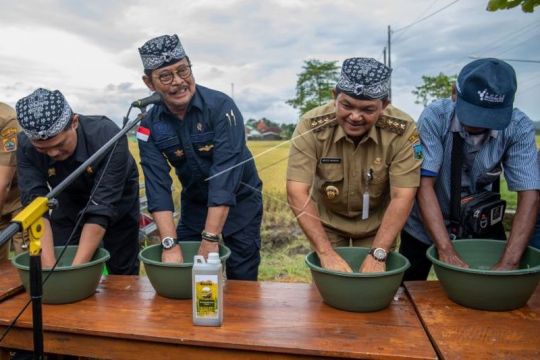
208 236
168 242
378 254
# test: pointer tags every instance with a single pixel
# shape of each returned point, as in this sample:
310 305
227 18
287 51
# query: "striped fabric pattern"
514 148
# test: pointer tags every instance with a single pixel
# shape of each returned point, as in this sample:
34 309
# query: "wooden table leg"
4 354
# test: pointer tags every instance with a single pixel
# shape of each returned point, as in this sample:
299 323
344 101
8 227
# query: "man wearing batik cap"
53 143
10 202
354 168
200 133
494 137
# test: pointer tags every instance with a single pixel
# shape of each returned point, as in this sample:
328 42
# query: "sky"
253 50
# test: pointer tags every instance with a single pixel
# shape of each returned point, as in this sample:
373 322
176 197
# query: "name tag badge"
365 206
330 160
368 178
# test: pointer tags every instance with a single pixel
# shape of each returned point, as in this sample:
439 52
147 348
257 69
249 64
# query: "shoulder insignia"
392 124
319 123
8 139
414 138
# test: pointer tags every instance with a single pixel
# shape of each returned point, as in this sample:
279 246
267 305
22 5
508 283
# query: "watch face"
167 242
379 254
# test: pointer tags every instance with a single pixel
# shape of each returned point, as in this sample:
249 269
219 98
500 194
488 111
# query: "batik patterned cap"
364 78
162 50
43 114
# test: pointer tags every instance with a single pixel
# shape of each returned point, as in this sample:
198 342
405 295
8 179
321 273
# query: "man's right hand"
332 261
451 257
173 255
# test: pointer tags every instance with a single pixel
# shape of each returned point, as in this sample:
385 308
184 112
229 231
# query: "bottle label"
206 292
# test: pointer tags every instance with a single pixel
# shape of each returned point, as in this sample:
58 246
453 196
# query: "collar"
80 153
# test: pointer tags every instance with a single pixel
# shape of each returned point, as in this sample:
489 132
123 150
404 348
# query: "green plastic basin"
67 283
174 280
480 288
359 292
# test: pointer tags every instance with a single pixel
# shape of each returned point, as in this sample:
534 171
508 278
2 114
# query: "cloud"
85 47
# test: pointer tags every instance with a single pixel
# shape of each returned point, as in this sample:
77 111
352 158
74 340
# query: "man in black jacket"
53 143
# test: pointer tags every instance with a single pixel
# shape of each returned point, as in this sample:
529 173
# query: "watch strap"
208 236
372 253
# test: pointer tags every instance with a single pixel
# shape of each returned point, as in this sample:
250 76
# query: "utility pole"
389 61
384 55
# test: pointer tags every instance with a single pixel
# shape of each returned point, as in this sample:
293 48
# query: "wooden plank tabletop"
125 319
458 332
10 283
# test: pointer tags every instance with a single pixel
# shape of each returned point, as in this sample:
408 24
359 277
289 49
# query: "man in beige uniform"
9 193
354 168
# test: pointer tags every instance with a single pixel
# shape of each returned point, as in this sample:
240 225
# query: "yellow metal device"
31 220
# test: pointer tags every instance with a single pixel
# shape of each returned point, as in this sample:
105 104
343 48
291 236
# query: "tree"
287 130
314 85
434 87
526 5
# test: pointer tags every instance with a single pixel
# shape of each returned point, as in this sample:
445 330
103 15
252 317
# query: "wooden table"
10 283
125 319
458 332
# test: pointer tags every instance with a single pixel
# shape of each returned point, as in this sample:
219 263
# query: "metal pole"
384 55
36 293
390 61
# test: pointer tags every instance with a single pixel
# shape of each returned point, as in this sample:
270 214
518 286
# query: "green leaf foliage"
314 85
526 5
434 87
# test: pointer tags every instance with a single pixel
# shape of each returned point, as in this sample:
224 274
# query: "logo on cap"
493 98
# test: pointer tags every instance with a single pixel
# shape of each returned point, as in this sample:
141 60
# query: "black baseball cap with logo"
485 94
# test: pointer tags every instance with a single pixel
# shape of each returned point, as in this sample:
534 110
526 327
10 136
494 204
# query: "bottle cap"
213 258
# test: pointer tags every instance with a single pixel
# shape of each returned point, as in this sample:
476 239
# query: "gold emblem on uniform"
392 124
413 138
89 170
377 161
51 172
179 153
320 123
206 148
331 192
9 139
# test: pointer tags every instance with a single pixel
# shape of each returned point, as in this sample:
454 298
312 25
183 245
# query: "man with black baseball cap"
495 137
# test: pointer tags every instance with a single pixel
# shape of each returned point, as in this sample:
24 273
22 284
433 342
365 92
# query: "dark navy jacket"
208 151
118 193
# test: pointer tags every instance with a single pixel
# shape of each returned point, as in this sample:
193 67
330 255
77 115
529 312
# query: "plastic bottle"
207 290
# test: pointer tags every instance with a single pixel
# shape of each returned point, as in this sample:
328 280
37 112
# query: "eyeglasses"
167 77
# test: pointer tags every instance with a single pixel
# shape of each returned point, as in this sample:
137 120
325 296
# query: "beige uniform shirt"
322 155
8 147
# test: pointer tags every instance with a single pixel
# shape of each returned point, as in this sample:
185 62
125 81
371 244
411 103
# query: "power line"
426 17
509 36
423 13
